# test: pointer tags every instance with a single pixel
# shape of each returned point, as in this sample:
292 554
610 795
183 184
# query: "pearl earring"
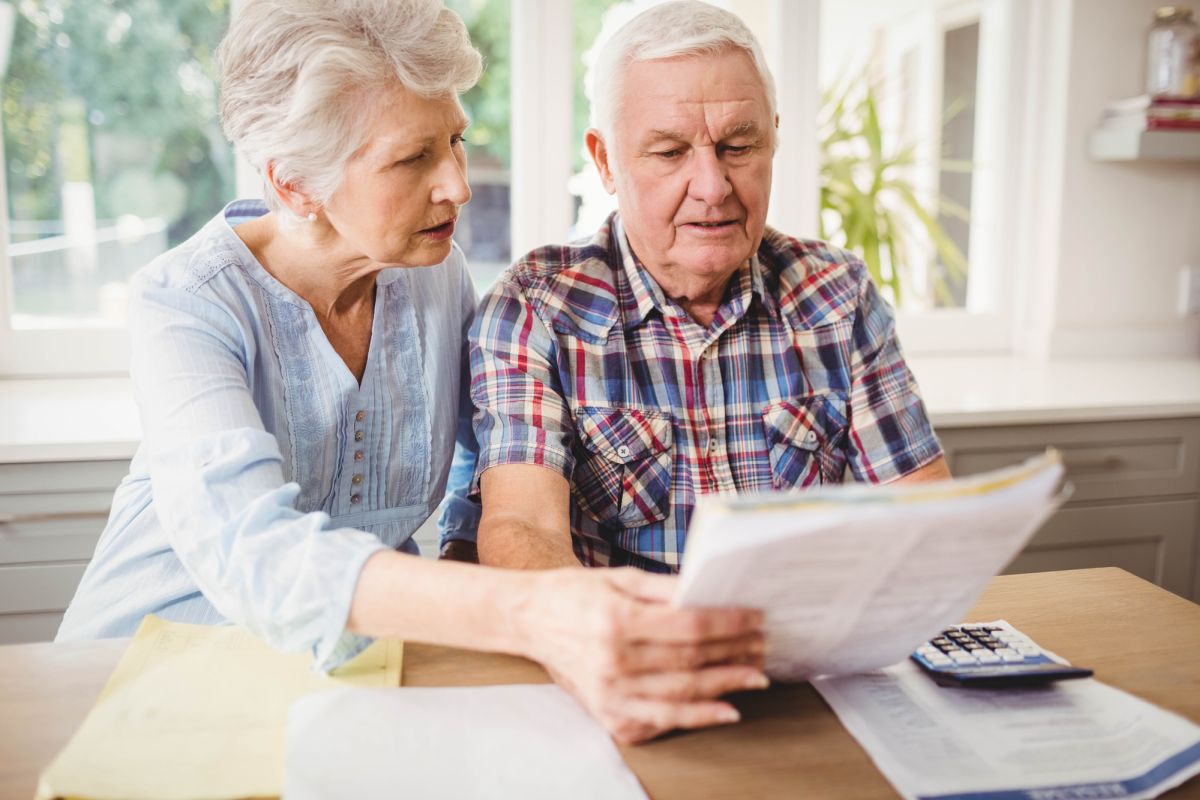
312 216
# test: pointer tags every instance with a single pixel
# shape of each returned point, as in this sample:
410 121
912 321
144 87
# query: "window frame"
541 166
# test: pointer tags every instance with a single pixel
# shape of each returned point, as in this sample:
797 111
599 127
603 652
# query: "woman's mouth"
440 232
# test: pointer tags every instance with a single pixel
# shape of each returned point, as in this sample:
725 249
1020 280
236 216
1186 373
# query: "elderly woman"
298 369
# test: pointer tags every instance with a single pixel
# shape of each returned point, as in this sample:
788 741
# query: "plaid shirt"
581 364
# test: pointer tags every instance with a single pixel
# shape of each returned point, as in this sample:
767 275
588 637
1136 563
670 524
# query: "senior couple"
305 365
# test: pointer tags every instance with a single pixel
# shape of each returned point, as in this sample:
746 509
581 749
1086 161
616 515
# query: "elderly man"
685 348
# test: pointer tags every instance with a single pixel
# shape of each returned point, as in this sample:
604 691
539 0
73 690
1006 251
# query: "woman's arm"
609 636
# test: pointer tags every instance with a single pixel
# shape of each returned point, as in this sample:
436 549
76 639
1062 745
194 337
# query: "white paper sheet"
462 743
1073 739
853 578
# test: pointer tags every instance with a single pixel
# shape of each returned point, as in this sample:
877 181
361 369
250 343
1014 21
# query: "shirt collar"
646 296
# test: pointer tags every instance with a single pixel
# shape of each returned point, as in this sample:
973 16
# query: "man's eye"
406 162
668 154
457 139
738 150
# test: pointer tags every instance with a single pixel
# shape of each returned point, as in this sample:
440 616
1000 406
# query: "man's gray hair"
301 79
669 30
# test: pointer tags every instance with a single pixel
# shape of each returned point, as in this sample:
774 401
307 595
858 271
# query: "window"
112 154
919 118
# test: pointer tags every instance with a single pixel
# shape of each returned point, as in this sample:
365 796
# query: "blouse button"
360 416
358 455
355 499
357 479
358 436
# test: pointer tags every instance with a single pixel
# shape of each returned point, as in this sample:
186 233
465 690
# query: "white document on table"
1072 739
852 578
479 742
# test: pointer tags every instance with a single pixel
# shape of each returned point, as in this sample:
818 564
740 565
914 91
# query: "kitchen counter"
87 419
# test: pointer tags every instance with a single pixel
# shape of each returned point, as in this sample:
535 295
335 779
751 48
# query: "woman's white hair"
301 79
668 30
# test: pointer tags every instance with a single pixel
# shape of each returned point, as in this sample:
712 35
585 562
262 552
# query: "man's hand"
640 666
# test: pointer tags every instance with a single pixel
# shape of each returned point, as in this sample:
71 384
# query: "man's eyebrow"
747 128
657 135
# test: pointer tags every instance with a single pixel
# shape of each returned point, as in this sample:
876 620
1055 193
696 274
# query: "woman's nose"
451 183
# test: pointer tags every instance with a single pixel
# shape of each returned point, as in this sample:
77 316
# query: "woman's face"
400 195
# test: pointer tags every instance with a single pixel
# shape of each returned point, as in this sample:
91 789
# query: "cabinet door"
1104 460
1153 540
51 516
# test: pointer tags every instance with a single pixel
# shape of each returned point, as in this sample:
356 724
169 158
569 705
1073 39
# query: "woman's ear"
291 195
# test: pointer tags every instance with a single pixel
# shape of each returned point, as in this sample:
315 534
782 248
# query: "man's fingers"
687 686
657 657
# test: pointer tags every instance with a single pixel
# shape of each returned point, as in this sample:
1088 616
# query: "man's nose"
450 183
710 178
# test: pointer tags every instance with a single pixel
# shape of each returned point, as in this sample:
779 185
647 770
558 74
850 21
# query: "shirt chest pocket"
623 469
804 439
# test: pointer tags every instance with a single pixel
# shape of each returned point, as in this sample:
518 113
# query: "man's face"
690 163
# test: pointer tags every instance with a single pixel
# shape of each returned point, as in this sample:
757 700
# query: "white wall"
1124 229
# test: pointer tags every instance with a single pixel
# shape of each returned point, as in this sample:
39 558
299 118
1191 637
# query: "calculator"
990 655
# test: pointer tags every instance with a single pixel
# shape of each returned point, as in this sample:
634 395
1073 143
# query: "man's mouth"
713 224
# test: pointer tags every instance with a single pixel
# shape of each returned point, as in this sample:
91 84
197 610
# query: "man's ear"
599 152
292 196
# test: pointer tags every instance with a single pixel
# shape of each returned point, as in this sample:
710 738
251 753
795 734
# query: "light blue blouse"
267 475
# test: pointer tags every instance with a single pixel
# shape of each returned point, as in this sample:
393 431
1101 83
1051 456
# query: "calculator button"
926 649
937 659
963 657
1028 651
972 646
987 657
1013 657
938 642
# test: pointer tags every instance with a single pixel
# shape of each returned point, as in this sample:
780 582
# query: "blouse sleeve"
218 484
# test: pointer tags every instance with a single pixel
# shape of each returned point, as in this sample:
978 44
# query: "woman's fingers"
655 656
656 622
641 719
689 686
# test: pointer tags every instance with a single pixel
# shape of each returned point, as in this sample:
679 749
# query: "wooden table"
789 743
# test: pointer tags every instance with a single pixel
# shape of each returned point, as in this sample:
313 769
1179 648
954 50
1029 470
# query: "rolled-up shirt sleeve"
219 488
521 415
890 432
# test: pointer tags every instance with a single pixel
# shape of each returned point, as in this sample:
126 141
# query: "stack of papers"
1074 739
198 711
853 578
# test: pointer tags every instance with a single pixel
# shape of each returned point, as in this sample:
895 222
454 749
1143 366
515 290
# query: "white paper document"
852 578
462 743
1063 741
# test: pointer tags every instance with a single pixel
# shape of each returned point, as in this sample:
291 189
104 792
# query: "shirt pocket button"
623 451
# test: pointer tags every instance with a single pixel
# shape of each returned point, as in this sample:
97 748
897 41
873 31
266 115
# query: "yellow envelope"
198 711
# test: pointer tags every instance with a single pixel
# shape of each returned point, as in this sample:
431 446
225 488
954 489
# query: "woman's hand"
639 665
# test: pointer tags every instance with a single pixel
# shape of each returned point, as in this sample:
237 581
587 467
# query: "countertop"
87 419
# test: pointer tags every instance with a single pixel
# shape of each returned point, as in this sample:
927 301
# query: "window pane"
484 229
589 18
899 82
112 147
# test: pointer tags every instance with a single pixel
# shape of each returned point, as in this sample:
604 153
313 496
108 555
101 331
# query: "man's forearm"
517 545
